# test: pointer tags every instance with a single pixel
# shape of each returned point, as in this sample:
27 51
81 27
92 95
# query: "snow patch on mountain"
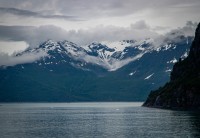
72 49
148 77
118 46
172 61
132 73
185 55
120 63
165 47
168 70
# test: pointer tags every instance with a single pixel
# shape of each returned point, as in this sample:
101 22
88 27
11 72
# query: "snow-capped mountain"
108 71
110 56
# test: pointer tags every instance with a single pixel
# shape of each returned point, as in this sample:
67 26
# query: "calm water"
85 120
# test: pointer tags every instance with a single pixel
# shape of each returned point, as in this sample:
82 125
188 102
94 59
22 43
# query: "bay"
95 120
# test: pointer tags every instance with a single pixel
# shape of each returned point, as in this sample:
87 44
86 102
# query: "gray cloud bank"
35 35
138 31
100 8
28 13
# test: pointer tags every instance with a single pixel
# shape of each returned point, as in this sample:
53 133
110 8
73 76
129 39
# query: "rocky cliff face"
183 89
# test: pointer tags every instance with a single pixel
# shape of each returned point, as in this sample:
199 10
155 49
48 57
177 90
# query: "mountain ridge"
67 72
100 53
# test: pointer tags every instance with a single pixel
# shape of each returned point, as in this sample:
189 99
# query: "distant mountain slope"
183 89
120 71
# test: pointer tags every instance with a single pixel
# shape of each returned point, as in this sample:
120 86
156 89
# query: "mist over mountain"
60 71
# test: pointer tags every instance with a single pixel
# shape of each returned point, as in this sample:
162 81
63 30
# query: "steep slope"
183 89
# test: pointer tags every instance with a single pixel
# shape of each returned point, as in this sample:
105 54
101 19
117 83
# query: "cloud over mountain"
8 60
138 31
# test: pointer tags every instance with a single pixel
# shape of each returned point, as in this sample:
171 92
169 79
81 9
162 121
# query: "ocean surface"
95 120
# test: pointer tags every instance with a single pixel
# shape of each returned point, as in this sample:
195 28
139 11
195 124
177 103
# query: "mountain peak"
98 46
49 41
48 44
68 43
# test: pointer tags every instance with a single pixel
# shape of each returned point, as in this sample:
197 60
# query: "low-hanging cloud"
7 60
36 35
175 34
137 31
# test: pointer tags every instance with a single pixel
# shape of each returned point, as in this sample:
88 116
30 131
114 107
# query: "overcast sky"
29 22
